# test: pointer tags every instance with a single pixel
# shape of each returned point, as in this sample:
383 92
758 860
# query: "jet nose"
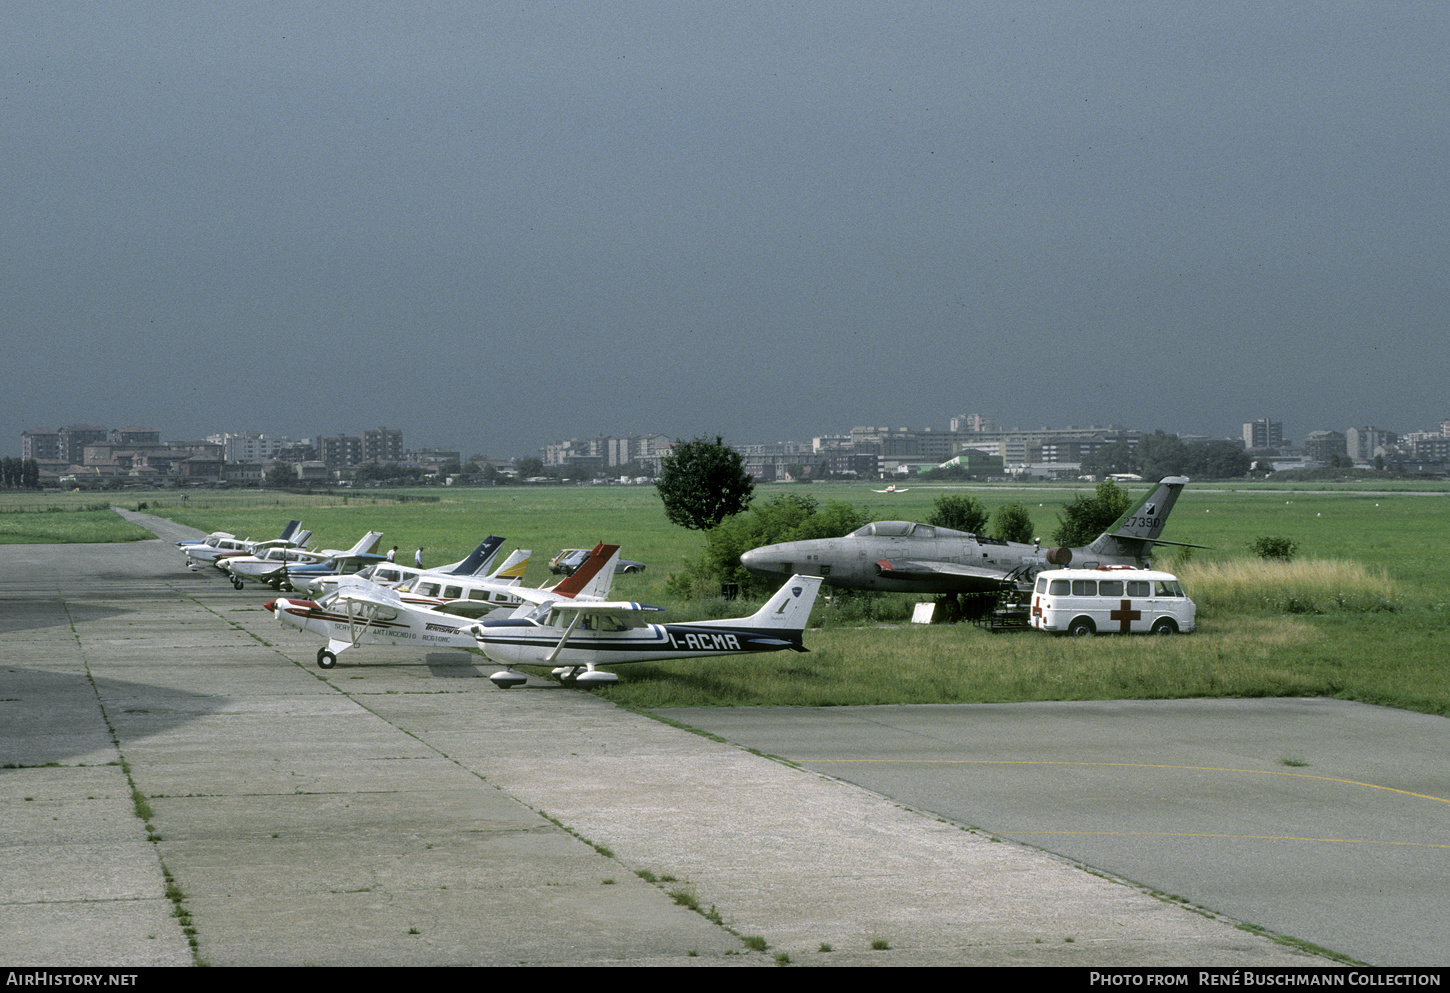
760 560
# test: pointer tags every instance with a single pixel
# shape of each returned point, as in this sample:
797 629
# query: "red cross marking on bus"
1125 615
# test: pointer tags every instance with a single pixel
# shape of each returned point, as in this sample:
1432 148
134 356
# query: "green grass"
63 518
1372 625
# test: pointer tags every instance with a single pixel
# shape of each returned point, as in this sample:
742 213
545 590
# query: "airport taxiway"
181 784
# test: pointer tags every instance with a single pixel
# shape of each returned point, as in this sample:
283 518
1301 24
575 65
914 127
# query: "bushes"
787 517
1270 547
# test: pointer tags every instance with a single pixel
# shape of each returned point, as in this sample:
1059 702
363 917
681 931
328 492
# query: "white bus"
1110 599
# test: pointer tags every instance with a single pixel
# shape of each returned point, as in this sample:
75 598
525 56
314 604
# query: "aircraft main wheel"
236 584
1081 628
325 659
1163 626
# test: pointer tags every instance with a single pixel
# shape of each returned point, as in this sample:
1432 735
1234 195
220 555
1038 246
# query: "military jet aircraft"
904 557
584 634
359 612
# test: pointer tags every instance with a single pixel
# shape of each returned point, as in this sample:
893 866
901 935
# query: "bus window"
1084 587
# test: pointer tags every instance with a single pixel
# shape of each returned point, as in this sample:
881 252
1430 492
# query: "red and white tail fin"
592 579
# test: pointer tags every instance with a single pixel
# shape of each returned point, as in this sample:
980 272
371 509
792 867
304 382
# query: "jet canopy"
904 529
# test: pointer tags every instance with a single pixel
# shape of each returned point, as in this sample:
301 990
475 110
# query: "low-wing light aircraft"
362 613
219 543
580 634
469 596
317 580
903 557
271 566
893 488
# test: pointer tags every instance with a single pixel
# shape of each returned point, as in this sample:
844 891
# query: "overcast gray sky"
494 225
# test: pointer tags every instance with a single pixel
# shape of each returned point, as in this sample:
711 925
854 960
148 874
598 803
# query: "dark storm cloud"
495 227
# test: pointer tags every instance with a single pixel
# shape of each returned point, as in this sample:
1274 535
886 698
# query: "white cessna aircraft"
270 566
221 543
362 613
583 634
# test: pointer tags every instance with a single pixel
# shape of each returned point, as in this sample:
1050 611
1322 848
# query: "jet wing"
925 571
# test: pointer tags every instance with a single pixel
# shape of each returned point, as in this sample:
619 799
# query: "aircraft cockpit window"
478 594
923 531
884 529
453 592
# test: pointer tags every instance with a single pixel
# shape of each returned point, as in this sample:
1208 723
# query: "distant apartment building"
339 450
1321 446
1362 444
1263 433
134 437
376 445
74 438
43 445
250 446
608 450
382 445
973 424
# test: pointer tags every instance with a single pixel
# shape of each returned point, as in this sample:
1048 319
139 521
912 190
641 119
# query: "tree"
280 475
529 467
784 517
961 513
702 482
1013 522
1081 521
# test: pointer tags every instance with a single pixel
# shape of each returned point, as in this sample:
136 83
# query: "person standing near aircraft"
418 557
393 554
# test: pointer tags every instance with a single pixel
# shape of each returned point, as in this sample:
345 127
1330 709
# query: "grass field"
1361 613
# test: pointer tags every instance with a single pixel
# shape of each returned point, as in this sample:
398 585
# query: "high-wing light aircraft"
219 543
271 566
362 613
903 557
582 634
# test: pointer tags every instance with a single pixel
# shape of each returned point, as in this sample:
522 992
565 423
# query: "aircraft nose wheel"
325 659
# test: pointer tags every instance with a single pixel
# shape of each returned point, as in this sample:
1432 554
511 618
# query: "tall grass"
1309 586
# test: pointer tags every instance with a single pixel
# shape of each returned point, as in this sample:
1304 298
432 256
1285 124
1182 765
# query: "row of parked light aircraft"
575 628
572 626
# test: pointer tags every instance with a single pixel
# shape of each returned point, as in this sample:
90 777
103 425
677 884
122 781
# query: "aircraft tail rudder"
289 530
789 609
479 558
368 543
594 577
512 570
1133 534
